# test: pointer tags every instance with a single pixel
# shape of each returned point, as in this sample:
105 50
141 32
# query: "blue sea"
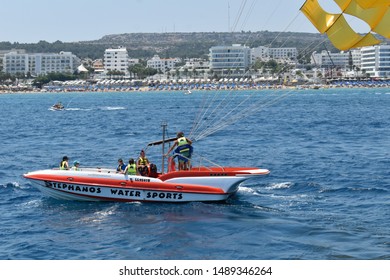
327 196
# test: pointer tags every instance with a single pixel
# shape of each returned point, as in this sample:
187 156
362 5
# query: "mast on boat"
164 128
162 142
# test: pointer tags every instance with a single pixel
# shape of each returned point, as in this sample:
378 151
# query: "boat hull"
107 185
54 108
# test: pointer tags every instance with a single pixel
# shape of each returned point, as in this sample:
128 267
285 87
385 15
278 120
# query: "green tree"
141 71
115 73
44 79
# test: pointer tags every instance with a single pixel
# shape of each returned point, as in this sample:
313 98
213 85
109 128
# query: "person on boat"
58 105
142 164
131 168
76 165
64 165
183 151
153 170
121 166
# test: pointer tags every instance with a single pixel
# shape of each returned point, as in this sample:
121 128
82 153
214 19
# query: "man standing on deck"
184 149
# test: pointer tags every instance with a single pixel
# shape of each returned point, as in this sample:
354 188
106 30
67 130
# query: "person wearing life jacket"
184 151
76 165
142 164
64 165
131 168
121 166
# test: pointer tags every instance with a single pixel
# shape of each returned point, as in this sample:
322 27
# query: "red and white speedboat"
215 183
97 184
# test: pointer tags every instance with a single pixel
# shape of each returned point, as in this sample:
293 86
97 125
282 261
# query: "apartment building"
375 60
116 60
40 63
273 53
162 64
340 64
326 59
235 58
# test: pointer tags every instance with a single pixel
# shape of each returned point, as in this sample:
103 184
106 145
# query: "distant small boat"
57 107
188 92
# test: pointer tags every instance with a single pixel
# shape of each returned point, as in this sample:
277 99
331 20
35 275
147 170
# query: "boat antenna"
70 101
164 131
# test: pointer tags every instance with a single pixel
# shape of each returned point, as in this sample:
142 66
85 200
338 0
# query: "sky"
29 21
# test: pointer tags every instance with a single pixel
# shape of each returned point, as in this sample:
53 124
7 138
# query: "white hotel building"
326 59
162 64
274 53
375 60
341 59
230 58
116 60
40 63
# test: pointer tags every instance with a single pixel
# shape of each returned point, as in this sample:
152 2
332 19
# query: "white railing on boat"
199 165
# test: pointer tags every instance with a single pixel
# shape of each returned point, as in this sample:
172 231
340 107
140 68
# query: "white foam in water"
246 190
113 108
284 185
33 203
13 184
78 109
100 216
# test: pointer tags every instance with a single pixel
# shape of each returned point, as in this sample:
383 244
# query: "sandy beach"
128 86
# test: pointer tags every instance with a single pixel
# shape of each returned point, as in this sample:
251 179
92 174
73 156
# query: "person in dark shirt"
121 166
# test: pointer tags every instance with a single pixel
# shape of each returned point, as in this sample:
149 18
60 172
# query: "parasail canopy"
375 13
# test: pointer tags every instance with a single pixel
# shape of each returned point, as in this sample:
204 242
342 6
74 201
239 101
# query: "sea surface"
327 196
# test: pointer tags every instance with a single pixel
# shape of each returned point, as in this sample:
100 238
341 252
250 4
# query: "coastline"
188 88
126 86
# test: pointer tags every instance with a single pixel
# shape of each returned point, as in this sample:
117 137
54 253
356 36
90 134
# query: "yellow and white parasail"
375 13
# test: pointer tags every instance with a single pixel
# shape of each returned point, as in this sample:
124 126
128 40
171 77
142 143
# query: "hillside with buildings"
198 44
145 45
277 58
